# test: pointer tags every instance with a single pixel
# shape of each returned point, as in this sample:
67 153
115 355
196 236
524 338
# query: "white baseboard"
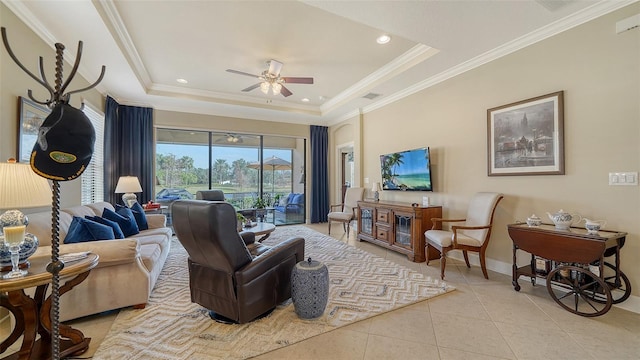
631 304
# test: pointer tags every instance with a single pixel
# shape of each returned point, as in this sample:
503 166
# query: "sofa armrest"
156 221
271 258
111 252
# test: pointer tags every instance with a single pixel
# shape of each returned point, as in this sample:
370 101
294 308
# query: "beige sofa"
127 270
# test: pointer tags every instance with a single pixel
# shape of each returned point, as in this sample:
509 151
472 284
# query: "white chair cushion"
340 216
445 238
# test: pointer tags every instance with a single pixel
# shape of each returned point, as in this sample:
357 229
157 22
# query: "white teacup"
592 228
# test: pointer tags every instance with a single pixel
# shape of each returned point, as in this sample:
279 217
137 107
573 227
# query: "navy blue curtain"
128 148
319 173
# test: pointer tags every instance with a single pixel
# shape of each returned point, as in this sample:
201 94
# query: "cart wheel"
620 287
579 291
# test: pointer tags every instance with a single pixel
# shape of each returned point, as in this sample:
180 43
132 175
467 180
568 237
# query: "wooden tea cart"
573 263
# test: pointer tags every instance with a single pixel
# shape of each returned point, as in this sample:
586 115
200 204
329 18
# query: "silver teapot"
563 220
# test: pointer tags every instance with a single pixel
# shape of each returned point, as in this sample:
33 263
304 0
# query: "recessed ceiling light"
304 100
383 39
182 81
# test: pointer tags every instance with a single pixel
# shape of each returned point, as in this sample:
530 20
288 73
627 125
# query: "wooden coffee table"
32 314
261 228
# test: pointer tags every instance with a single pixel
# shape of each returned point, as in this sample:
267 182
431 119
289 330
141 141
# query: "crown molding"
28 18
557 27
231 99
112 19
410 58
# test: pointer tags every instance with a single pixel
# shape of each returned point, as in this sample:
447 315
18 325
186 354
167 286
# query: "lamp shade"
21 187
376 186
128 184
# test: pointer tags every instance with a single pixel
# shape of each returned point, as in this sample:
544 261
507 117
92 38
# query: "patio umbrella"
273 163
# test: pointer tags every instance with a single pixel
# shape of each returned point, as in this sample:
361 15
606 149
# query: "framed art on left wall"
31 116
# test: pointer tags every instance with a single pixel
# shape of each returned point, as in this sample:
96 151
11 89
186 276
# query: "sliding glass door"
246 167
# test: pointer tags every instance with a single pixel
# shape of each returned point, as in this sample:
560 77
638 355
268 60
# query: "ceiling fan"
230 138
271 79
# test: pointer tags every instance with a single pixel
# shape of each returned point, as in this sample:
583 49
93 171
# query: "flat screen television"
408 170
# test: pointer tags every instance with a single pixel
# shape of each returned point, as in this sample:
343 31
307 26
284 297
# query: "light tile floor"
482 319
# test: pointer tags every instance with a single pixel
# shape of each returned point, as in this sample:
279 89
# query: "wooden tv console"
396 225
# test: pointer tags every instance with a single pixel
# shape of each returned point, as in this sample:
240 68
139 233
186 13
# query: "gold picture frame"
527 137
32 115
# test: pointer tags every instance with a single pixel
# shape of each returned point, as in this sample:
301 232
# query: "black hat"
65 144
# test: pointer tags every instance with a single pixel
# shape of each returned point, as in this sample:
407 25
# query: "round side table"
33 315
309 288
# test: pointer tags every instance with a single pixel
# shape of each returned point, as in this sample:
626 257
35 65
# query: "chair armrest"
336 205
248 237
437 222
270 259
455 229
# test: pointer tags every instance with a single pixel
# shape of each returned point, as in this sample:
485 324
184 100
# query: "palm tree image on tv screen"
407 170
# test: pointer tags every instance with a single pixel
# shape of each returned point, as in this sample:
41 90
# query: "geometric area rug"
361 285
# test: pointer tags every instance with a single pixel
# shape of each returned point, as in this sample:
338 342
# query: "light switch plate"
623 178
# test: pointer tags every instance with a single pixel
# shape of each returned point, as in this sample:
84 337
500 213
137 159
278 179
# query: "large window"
246 167
93 176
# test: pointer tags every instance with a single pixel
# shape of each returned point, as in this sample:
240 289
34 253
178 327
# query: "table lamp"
21 188
376 190
128 185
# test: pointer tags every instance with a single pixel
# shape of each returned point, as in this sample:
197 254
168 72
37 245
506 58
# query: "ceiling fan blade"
285 92
275 67
241 73
254 86
298 80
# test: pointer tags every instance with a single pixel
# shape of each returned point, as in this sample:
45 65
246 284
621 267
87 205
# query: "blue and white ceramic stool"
309 288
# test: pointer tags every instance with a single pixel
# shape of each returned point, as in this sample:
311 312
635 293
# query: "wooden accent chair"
347 212
472 235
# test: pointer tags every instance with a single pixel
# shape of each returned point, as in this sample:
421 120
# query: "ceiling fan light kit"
271 79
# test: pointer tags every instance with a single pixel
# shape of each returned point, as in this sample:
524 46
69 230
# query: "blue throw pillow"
127 223
296 199
82 230
117 231
141 217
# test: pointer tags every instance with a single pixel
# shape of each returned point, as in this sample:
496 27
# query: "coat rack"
57 96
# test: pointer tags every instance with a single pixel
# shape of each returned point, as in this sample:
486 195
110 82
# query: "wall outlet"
623 178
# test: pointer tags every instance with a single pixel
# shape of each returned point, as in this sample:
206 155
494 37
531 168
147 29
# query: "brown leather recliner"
216 195
230 274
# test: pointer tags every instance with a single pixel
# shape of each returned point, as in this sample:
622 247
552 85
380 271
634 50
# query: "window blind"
93 176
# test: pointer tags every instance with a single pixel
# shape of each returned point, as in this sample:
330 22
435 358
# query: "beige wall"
27 46
340 137
599 72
